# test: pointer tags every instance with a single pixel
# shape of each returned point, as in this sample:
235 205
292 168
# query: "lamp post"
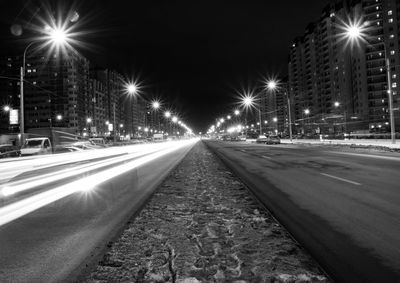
354 33
248 102
131 89
156 105
272 86
55 35
306 112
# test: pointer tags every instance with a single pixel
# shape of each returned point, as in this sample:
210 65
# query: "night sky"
193 55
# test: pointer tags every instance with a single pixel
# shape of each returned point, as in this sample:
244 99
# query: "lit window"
392 52
391 20
392 36
394 85
390 12
29 70
377 15
394 76
332 15
377 7
34 83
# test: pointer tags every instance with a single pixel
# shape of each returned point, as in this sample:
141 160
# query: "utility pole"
390 98
290 118
21 103
114 125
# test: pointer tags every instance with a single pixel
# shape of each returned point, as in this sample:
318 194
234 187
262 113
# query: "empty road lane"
342 205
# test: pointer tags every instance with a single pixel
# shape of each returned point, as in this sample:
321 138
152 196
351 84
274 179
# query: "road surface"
57 212
343 206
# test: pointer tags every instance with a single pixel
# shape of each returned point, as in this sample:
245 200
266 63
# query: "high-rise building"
56 88
340 85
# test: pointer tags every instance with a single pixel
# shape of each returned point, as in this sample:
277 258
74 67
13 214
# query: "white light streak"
20 208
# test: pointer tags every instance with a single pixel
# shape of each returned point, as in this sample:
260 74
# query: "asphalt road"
61 240
341 205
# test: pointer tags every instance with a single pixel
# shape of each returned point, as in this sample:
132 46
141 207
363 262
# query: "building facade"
337 85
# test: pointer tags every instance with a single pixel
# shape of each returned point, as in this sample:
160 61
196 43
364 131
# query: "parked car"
9 150
99 141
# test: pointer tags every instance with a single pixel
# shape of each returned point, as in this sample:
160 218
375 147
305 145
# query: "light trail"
33 182
11 169
22 207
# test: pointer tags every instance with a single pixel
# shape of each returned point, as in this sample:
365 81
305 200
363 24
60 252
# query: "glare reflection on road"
44 170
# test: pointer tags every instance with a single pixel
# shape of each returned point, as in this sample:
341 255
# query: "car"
273 140
85 145
261 139
8 150
36 146
98 141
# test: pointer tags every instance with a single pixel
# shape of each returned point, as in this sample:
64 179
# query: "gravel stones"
202 225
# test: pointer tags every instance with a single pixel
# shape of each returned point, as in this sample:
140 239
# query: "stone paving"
202 225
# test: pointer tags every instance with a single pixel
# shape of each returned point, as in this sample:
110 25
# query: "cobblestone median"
202 225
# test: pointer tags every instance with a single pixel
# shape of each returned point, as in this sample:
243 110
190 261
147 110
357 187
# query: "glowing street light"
355 33
272 85
57 35
336 103
155 104
59 117
306 111
175 119
167 114
132 88
89 120
6 108
236 112
248 101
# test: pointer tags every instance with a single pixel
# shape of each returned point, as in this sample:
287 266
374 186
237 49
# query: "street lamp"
56 35
59 117
6 108
354 32
132 88
156 105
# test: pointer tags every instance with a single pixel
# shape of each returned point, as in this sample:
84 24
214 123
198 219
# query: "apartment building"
56 88
336 84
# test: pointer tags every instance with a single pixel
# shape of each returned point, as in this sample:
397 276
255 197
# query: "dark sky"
191 54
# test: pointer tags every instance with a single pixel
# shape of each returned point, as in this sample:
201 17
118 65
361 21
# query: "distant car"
84 145
98 141
67 148
273 140
8 150
268 139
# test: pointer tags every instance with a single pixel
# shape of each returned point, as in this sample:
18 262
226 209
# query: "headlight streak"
20 208
33 182
10 169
